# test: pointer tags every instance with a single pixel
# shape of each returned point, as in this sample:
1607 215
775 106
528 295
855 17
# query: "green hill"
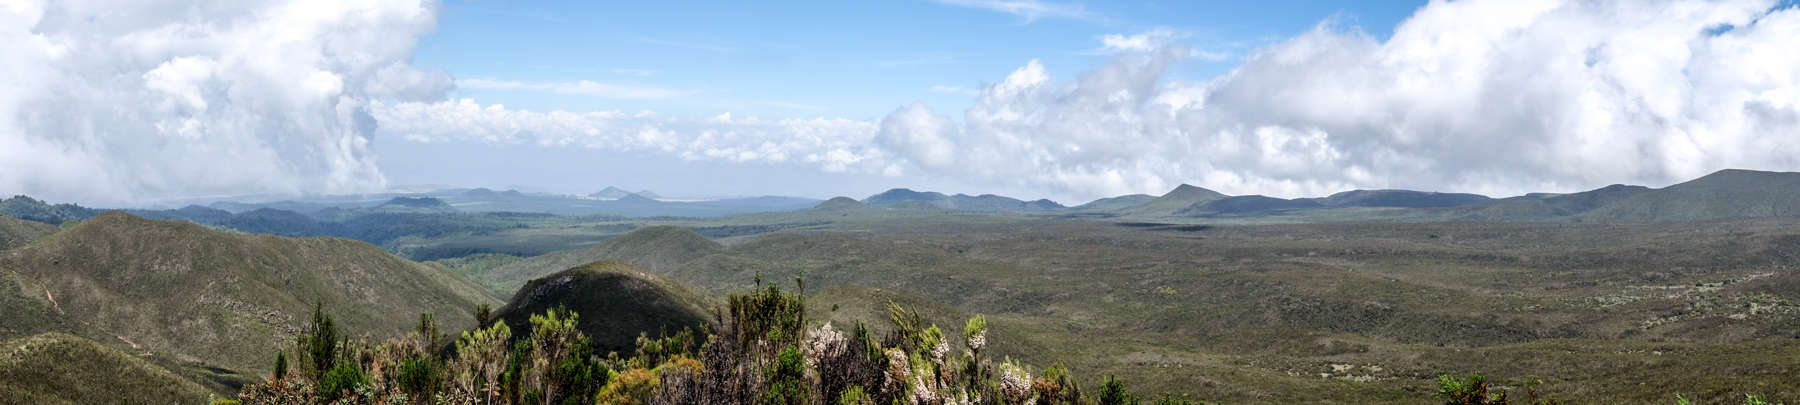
1114 203
59 368
1174 202
1726 194
1548 207
31 209
217 299
18 232
840 204
616 303
653 248
903 198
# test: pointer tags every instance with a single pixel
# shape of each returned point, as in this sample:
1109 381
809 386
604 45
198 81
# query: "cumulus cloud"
110 102
1498 97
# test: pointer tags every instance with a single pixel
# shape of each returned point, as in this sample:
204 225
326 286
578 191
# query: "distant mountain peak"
902 197
1188 191
611 193
636 198
839 203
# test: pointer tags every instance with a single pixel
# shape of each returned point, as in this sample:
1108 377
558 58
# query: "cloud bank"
108 102
111 102
1499 97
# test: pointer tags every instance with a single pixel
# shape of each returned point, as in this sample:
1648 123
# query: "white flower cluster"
1015 384
979 341
825 342
899 368
938 352
923 392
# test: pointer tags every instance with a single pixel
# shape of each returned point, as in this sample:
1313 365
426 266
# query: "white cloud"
1490 96
1029 10
110 102
832 145
581 87
1497 97
1151 41
1144 42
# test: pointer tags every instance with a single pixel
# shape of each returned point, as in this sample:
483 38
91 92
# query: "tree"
320 344
1113 393
281 365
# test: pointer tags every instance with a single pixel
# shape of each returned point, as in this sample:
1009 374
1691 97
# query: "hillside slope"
18 232
1545 208
227 299
1175 201
1725 194
615 301
59 368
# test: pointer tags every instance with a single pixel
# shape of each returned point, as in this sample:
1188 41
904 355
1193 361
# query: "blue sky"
831 58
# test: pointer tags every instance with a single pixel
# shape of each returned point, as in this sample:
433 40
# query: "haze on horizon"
107 103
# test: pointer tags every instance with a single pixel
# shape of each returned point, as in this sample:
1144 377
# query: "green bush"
787 378
418 376
340 379
1114 393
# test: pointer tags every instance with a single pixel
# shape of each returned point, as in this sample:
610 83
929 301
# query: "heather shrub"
764 353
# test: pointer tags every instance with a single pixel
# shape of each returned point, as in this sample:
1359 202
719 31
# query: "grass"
58 368
212 299
616 302
1336 312
18 232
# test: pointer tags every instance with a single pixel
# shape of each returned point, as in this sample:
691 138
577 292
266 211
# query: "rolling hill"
18 232
59 368
611 193
840 204
1114 203
1400 199
1721 195
901 197
31 209
616 302
1174 202
414 205
1550 207
226 299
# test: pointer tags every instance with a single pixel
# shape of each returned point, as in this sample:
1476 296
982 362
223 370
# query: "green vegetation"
57 368
18 232
211 304
768 353
1297 306
620 302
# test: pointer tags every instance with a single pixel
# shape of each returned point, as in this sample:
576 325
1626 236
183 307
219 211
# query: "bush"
341 379
1113 393
635 386
418 376
787 379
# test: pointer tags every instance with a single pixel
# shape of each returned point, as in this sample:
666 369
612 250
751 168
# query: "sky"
108 103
